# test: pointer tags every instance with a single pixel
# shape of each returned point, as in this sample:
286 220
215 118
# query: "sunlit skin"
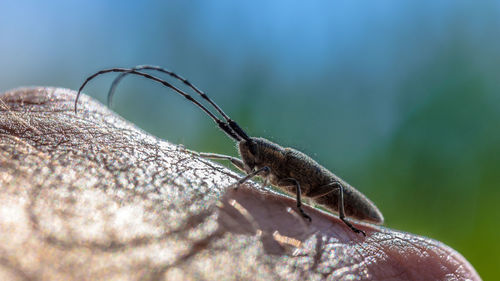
81 173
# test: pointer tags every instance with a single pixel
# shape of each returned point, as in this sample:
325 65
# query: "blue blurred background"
400 99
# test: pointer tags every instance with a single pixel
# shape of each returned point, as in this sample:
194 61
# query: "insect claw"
359 231
304 215
352 227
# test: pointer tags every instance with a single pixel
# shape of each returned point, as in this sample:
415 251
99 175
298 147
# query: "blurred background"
400 99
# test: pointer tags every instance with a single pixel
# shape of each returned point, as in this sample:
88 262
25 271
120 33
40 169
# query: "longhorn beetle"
288 169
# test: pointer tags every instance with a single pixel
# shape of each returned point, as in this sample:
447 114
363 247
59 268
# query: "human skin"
88 196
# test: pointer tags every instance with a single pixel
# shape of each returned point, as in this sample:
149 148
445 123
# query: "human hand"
89 196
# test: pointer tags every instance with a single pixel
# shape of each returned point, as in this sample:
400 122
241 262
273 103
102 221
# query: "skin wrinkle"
374 252
13 268
397 265
68 157
17 118
417 246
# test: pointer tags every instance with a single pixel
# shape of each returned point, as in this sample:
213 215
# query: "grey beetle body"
289 163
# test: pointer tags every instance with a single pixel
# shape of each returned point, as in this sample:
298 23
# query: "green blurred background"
400 99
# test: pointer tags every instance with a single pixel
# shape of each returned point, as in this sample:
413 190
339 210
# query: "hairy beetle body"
287 163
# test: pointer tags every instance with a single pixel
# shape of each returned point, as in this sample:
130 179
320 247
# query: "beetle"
288 169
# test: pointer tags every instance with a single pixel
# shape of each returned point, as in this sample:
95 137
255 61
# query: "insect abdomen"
356 205
312 176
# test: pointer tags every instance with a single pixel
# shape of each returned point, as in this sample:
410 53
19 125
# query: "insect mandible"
288 169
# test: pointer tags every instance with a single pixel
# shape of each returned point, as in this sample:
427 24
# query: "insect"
288 169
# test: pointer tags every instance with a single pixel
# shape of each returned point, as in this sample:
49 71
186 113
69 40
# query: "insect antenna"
226 127
234 126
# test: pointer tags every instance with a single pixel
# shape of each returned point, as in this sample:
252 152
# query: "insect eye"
253 148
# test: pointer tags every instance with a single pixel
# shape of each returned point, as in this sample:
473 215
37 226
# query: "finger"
329 247
89 196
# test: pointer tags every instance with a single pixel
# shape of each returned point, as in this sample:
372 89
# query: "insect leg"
235 161
323 190
341 211
251 175
329 188
299 200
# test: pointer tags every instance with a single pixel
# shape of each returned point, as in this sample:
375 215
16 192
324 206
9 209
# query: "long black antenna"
234 126
237 134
